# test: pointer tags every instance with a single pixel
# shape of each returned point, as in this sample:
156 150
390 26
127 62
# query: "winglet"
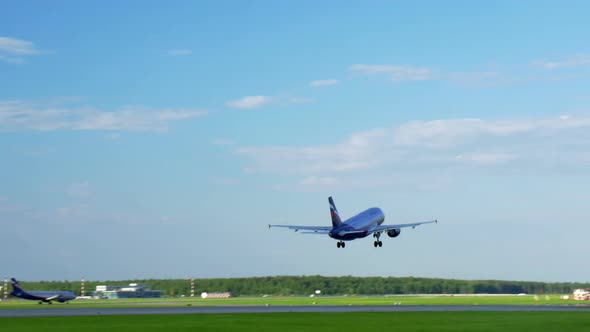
269 226
436 221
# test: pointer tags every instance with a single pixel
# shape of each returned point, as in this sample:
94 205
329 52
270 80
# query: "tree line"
305 285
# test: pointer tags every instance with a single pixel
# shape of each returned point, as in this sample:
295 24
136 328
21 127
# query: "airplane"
360 226
41 296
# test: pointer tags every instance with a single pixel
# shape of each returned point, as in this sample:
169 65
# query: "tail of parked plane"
15 286
336 221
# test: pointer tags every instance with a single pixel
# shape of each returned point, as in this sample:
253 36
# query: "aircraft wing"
53 297
385 228
306 229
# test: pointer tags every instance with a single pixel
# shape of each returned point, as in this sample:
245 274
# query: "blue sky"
143 140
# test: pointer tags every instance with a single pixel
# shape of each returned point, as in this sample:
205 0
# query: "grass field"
319 300
325 322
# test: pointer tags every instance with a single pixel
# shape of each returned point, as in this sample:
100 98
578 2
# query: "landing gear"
40 302
377 243
340 244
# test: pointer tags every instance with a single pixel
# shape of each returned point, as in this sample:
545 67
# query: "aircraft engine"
394 232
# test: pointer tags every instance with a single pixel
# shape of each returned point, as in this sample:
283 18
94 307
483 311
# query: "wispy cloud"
257 102
222 141
251 102
353 154
396 73
437 144
13 50
574 61
179 52
321 83
17 46
487 158
28 116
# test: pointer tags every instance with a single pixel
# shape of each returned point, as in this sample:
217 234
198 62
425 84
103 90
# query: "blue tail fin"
15 286
336 221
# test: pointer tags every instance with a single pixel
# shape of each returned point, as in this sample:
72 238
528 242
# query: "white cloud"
487 158
396 73
28 116
321 83
580 60
256 102
440 133
251 102
353 154
179 52
425 146
17 46
12 50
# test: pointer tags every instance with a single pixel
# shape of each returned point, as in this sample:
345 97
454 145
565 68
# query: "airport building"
206 295
132 291
581 294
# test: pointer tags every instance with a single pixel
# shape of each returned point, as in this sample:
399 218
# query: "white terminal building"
206 295
125 292
582 294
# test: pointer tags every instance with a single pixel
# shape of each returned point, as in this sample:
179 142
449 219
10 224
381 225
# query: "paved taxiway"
273 309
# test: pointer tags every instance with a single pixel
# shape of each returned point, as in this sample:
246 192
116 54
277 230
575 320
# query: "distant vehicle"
41 296
360 226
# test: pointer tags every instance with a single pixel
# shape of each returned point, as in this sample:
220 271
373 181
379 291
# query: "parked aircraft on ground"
41 296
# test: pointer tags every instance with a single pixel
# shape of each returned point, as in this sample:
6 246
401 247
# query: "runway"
48 312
